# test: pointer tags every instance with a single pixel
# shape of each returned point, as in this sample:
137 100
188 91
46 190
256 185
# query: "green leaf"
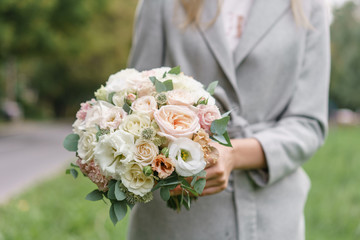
113 215
120 209
160 86
111 192
110 97
131 205
164 75
67 171
95 195
226 114
219 126
200 185
176 70
119 195
165 193
211 88
126 108
168 85
71 142
222 139
74 172
153 79
74 165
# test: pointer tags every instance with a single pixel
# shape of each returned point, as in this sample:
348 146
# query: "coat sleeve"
148 44
302 128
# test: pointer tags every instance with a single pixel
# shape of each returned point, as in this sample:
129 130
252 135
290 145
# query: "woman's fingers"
212 190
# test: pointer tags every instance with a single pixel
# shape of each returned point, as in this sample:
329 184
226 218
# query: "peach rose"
176 121
180 97
163 166
145 152
146 105
207 114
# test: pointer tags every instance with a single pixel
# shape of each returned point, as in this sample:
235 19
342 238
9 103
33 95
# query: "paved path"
29 153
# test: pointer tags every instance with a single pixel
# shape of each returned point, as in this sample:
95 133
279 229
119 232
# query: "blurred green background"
55 53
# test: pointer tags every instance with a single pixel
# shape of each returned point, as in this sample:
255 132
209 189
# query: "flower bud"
147 171
165 151
161 98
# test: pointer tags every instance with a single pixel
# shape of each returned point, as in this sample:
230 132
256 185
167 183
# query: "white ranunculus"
86 145
114 152
135 123
187 156
145 151
136 181
122 80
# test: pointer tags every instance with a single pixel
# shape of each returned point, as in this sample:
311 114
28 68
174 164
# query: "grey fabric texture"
276 84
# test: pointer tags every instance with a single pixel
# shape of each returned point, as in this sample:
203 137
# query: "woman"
274 77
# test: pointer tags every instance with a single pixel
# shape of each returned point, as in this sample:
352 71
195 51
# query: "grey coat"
276 84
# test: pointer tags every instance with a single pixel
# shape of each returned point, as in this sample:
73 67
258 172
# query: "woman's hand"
217 174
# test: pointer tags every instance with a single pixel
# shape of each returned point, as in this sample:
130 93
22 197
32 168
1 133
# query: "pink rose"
146 105
180 97
81 114
207 114
176 121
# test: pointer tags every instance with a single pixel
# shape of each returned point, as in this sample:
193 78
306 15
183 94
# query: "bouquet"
146 131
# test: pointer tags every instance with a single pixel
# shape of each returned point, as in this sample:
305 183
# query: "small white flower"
136 181
114 152
187 156
86 145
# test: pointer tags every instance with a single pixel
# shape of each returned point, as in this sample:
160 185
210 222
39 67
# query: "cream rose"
86 145
146 105
187 156
135 123
207 114
122 80
180 97
136 181
145 151
176 121
114 152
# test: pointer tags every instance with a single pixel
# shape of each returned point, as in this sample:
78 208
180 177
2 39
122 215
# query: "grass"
333 208
55 209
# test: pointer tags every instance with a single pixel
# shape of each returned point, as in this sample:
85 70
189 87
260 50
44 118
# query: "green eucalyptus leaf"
222 139
74 165
176 70
126 108
153 79
67 171
71 142
110 97
160 86
200 185
120 209
74 172
165 193
112 214
119 195
168 85
164 75
111 192
131 205
211 88
95 195
226 114
219 126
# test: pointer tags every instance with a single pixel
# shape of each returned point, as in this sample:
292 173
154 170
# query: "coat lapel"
263 15
215 39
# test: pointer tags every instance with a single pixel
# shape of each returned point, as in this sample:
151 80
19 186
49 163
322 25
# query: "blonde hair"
193 11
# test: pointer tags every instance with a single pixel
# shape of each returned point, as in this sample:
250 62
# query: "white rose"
145 151
155 72
146 105
114 152
122 80
136 181
86 145
180 97
79 126
187 156
135 123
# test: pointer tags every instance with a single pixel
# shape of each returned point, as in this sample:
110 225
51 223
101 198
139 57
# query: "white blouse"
234 14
